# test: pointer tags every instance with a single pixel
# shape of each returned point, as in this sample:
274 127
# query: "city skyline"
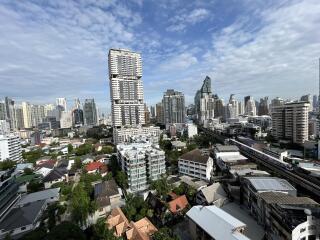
214 39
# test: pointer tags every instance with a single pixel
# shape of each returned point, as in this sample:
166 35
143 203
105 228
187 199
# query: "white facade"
309 228
66 119
250 108
10 148
62 102
192 130
26 111
141 162
4 127
124 135
196 164
126 89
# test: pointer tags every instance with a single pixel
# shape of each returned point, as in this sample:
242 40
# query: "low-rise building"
211 222
196 163
49 195
53 177
124 134
213 194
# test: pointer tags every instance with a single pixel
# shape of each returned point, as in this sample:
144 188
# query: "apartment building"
196 163
125 134
10 148
141 162
290 122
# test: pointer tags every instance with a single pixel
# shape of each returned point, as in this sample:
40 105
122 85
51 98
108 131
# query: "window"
23 228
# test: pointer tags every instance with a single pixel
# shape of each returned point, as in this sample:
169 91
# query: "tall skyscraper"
263 107
126 89
2 110
204 102
250 106
218 108
173 106
290 121
19 124
62 102
307 98
26 110
10 117
159 113
90 112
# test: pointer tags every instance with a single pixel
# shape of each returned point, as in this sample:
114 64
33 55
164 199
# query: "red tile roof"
94 166
178 204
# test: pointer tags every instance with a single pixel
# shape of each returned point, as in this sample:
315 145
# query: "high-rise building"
290 122
19 124
62 102
159 113
174 107
276 102
37 114
2 110
218 108
152 112
10 117
315 103
66 119
90 112
240 108
250 106
26 110
204 102
146 114
263 107
126 89
77 116
4 127
10 148
307 98
142 162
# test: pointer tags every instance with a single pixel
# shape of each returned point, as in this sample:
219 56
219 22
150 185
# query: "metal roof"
41 195
217 223
270 183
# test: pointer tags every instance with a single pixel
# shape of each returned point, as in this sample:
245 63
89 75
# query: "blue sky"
53 48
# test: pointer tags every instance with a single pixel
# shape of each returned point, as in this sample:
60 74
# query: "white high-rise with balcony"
10 148
126 89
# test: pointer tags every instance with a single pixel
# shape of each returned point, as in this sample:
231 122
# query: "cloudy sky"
53 48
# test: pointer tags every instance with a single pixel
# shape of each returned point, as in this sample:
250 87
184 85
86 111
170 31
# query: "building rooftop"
233 158
41 195
270 184
213 192
55 174
195 155
178 204
141 230
226 148
117 220
104 190
21 216
217 223
283 198
94 166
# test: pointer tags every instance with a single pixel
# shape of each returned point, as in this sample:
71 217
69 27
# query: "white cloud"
184 19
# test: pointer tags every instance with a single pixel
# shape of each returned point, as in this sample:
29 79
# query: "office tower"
26 110
263 107
2 110
9 105
62 102
204 102
146 114
290 121
250 106
218 108
152 112
315 102
142 162
240 108
19 124
49 110
37 114
235 107
307 98
159 113
246 99
49 122
77 116
10 148
173 106
126 90
90 112
66 119
77 104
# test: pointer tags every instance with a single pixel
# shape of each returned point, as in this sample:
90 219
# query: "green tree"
70 148
65 189
136 208
77 163
88 179
27 171
35 186
54 211
161 186
7 164
84 149
107 150
66 230
165 234
121 179
80 205
32 156
101 231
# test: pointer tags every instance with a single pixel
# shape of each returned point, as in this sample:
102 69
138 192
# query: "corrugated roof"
282 198
226 148
217 223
